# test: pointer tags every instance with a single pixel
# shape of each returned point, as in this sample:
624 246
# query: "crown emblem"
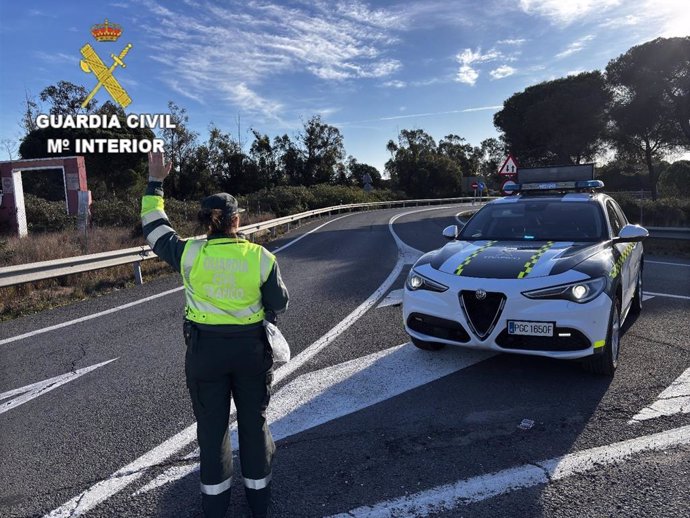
106 31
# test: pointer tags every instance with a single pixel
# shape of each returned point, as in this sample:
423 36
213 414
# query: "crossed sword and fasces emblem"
93 63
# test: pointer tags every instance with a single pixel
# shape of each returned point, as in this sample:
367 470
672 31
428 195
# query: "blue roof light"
554 186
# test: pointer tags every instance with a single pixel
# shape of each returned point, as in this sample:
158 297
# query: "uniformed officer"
231 286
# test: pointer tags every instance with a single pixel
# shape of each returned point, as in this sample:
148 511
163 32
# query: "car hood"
511 259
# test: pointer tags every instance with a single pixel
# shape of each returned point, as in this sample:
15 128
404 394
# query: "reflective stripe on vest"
152 216
157 233
223 279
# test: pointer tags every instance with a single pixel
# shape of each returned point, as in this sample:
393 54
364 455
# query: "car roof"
556 197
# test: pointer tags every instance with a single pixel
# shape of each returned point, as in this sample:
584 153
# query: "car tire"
636 305
606 362
427 346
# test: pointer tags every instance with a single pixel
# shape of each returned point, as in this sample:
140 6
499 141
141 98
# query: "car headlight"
580 292
419 282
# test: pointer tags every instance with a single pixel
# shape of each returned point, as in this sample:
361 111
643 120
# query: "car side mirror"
632 234
451 232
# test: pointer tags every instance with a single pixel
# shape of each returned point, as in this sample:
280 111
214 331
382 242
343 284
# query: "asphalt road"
365 423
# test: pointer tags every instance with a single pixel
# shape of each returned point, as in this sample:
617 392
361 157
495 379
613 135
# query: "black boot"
259 501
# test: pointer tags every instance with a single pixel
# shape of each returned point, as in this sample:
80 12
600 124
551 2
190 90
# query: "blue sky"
369 68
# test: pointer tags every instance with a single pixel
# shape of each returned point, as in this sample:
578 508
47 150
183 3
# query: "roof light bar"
555 186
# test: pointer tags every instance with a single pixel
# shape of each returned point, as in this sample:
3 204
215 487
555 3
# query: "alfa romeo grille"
482 312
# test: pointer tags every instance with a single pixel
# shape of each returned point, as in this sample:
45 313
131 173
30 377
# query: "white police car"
552 271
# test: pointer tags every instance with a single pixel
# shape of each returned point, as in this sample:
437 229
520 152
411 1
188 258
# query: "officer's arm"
274 294
158 232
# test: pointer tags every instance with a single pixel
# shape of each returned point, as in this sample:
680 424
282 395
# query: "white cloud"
564 12
236 52
575 47
502 71
673 15
617 22
467 58
426 114
467 75
396 83
515 42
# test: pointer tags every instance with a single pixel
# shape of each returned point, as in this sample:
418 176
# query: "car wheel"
636 306
427 346
606 362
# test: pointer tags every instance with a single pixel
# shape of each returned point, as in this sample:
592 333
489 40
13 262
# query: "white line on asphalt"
136 302
483 487
307 233
321 396
646 297
104 489
394 298
674 400
667 263
683 297
34 390
88 317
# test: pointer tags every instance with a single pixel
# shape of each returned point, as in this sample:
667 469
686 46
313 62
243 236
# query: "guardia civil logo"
92 64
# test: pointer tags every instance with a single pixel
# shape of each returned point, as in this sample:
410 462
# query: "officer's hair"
215 222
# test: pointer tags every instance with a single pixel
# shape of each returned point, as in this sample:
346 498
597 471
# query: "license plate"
519 327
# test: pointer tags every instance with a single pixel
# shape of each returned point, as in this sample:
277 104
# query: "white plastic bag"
281 349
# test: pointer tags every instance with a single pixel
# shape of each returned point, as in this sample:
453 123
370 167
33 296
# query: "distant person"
231 286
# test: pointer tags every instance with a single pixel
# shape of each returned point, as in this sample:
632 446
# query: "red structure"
12 210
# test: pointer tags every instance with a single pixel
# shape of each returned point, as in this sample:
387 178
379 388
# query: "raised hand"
158 169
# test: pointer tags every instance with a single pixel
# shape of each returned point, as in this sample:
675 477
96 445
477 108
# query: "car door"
633 264
618 221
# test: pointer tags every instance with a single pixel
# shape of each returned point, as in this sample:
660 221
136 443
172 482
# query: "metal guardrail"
32 272
669 232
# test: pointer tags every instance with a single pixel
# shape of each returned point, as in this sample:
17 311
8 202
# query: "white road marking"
286 245
652 294
29 392
483 487
674 400
394 298
461 223
105 489
666 263
327 394
646 297
89 317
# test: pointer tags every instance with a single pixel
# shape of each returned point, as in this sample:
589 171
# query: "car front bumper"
579 329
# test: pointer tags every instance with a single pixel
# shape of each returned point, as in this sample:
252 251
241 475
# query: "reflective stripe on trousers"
216 489
261 483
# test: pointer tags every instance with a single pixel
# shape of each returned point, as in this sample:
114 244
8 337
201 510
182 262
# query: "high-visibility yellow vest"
223 279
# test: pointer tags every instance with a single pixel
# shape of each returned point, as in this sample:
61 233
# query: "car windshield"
537 220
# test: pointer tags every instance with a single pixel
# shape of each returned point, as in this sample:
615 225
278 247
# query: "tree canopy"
556 122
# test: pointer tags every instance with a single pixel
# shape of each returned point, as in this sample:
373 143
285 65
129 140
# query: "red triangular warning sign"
509 167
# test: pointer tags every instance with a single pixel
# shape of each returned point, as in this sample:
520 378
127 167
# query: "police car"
552 270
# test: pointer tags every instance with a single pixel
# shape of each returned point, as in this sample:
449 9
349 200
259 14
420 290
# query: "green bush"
664 212
283 201
47 216
115 212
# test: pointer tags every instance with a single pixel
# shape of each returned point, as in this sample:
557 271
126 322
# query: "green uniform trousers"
220 365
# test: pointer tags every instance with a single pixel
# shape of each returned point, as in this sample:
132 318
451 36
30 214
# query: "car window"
614 217
537 220
619 212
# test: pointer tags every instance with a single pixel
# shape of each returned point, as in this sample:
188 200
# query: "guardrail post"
138 278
